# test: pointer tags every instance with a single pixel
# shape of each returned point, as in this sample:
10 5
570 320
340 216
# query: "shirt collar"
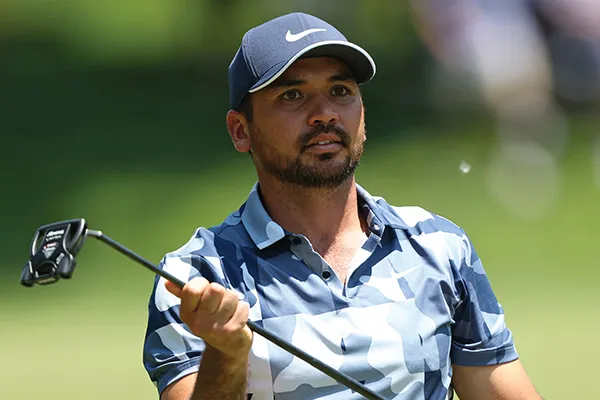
264 231
261 228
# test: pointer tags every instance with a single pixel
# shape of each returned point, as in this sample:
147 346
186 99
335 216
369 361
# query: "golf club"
53 251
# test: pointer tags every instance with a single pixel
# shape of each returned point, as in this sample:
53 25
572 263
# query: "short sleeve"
479 335
170 350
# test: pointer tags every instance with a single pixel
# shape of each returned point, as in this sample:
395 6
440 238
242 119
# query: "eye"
291 95
340 90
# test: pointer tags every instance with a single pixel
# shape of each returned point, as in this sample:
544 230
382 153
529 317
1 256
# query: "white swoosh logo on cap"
292 37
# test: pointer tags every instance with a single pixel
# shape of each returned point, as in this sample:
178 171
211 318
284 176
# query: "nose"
323 112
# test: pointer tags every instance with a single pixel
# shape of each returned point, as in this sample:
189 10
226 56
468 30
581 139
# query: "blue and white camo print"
416 301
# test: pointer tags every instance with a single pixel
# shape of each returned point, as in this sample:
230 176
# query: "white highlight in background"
524 178
464 167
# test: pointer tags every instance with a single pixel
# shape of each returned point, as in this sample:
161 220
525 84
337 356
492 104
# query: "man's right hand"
216 315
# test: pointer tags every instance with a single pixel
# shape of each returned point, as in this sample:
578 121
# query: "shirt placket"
301 247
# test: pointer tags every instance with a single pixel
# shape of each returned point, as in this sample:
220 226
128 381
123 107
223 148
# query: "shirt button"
296 240
376 227
326 274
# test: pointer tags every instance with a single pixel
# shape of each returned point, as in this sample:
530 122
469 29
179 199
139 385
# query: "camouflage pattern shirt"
416 300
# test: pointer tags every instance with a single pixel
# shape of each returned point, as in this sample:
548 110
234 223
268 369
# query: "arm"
506 381
219 318
216 376
485 362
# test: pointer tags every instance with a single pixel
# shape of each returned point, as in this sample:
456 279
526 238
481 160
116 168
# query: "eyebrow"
279 83
343 77
282 83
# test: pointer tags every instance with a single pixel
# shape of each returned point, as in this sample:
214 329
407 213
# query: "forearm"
221 377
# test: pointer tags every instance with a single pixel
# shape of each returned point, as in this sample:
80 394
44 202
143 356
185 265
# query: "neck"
321 214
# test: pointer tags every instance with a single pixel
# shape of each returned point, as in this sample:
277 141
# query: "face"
308 126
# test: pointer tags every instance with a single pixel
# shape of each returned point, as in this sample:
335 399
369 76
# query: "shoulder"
206 248
416 220
424 228
421 221
213 241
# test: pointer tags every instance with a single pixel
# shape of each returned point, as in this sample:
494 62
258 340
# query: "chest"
342 256
391 347
340 261
389 325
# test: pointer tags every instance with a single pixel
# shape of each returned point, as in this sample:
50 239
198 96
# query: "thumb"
173 288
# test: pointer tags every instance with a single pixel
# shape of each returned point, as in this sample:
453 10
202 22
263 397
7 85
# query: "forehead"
317 67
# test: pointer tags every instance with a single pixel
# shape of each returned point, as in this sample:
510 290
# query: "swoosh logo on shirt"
293 37
389 286
402 274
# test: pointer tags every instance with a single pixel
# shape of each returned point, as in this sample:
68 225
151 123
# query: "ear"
238 130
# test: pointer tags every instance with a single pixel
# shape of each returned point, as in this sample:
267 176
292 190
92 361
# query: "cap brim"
359 61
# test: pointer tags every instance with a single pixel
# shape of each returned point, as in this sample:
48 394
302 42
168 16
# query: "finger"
191 295
226 308
211 298
173 288
237 329
239 318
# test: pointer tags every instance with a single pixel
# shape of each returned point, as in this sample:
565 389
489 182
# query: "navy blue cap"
269 49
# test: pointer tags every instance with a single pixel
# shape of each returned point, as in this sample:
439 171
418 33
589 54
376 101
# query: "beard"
327 171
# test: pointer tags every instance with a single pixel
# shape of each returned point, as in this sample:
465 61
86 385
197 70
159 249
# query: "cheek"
282 131
269 139
355 118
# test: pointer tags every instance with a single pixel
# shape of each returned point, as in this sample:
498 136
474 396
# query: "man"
393 297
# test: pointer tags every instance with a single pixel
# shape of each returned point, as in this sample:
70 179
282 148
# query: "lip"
323 138
325 148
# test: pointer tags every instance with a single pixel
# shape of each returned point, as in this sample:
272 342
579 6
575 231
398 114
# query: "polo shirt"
416 300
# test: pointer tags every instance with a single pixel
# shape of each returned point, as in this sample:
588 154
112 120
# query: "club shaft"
135 257
326 369
340 377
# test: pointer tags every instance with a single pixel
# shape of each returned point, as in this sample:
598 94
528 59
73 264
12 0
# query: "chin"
331 169
334 156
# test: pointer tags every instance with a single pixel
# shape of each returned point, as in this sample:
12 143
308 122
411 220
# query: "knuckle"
229 302
215 289
195 287
244 305
189 291
244 310
233 296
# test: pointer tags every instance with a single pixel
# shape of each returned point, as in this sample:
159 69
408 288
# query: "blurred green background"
114 111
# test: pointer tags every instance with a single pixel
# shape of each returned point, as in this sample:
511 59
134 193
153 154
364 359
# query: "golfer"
395 297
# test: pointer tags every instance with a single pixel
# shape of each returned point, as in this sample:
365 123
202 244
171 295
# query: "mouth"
322 143
325 140
325 146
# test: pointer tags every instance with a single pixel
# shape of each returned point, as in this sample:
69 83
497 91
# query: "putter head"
53 252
